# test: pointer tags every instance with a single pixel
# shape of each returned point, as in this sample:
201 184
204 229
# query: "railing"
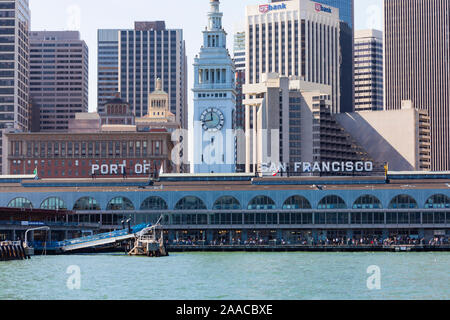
87 239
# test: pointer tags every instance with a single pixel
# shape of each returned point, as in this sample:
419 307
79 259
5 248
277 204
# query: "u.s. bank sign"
264 8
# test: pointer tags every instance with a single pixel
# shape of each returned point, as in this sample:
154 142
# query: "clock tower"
214 100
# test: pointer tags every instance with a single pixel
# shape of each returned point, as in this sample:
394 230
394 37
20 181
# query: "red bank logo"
320 8
264 8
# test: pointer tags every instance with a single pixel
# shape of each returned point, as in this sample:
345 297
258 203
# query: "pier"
12 250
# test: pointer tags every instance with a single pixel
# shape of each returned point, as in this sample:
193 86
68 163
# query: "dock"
148 243
12 250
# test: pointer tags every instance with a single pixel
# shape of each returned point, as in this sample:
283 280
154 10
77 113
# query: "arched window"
190 203
154 203
120 203
367 202
227 203
403 201
438 201
296 202
332 202
53 203
261 203
86 204
20 202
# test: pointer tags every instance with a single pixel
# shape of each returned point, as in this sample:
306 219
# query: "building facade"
230 211
108 66
289 121
59 77
239 62
148 52
119 152
214 100
14 66
295 38
417 55
239 122
399 137
368 70
347 16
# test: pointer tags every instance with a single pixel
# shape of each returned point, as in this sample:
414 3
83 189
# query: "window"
332 202
86 204
403 202
227 203
53 203
296 202
119 203
261 202
154 203
190 203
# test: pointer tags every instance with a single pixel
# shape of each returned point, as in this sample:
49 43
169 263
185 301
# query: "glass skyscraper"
347 16
108 66
346 9
148 52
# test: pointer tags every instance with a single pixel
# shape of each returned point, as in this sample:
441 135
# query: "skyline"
83 16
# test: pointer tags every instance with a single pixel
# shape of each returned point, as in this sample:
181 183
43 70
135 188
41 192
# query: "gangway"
103 238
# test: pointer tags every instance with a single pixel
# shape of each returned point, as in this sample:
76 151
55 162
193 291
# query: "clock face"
212 119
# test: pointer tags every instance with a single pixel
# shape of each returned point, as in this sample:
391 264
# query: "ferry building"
237 206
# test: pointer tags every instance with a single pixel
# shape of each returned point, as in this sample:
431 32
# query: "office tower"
108 66
298 39
214 100
239 117
368 70
398 137
59 77
146 53
417 55
346 15
14 65
239 62
290 123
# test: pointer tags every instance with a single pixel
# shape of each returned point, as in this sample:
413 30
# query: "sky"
87 16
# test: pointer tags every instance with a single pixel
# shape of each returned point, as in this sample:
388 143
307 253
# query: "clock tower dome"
214 100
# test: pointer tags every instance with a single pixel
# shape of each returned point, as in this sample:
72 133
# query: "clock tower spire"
214 100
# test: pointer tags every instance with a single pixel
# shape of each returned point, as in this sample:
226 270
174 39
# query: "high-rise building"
298 39
368 70
290 122
417 68
239 62
347 17
398 137
59 77
146 53
108 66
239 117
14 65
214 100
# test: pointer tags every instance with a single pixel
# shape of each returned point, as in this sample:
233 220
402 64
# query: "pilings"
12 251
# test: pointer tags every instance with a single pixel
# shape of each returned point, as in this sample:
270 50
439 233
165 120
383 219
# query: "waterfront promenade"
336 244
